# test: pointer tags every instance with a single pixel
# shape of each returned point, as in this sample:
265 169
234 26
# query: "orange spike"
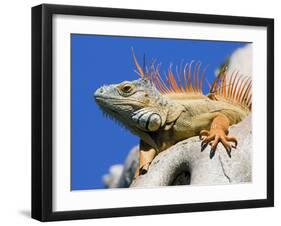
246 95
173 81
178 77
151 70
242 90
233 85
240 87
182 89
220 80
215 84
198 74
158 84
181 80
137 64
224 88
162 82
178 81
170 81
218 88
246 83
184 76
182 84
157 80
247 98
236 90
250 106
195 78
213 88
230 85
223 85
219 85
189 82
249 102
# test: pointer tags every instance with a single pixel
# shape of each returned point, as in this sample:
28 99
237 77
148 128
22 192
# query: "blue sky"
98 142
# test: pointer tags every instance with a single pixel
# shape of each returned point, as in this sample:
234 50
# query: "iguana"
164 113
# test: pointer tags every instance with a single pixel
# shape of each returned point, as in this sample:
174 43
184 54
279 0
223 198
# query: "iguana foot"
213 137
146 155
218 133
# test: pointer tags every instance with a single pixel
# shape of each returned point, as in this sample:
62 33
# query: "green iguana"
164 113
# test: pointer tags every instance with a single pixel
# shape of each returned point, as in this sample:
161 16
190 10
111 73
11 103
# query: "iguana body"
163 114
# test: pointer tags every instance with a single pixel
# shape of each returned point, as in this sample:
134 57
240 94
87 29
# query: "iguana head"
136 104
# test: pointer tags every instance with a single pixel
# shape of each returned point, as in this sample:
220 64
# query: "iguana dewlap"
162 114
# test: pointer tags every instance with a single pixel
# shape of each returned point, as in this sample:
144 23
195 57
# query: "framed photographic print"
147 112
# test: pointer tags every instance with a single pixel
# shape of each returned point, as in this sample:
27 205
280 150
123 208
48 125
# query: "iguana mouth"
102 98
102 104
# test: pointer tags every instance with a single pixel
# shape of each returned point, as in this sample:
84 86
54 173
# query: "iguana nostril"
99 92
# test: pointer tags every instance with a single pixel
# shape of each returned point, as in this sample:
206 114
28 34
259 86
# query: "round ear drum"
148 120
154 122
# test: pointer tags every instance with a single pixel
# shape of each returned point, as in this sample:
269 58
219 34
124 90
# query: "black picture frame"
42 111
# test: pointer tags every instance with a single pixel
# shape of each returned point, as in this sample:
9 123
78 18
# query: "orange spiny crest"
235 88
185 80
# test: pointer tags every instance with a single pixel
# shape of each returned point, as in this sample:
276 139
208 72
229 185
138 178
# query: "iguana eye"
127 88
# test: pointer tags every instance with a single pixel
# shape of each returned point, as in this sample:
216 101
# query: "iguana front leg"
146 155
218 133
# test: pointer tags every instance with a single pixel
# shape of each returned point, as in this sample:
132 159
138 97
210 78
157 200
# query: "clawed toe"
203 134
203 146
232 139
213 139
